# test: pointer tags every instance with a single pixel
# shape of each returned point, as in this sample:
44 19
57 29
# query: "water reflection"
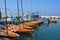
2 38
6 39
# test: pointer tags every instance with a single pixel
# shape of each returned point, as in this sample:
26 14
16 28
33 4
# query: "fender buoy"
44 30
33 34
29 38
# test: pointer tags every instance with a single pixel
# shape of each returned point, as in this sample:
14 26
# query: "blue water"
52 32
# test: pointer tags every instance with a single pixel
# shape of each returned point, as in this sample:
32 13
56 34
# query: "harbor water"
44 32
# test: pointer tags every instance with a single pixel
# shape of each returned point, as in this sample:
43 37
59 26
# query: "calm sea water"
52 32
45 32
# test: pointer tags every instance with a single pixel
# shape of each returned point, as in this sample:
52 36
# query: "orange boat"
25 27
36 22
16 28
25 30
7 33
32 23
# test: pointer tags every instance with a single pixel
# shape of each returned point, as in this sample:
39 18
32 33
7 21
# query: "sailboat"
30 23
6 32
17 28
11 34
45 20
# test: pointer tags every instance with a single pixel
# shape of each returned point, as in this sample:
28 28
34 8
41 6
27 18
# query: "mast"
6 15
18 10
30 9
0 13
22 8
22 12
45 7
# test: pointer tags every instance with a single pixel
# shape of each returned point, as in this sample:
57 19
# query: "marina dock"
25 20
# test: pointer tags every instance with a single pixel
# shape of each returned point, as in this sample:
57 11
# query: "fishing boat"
7 33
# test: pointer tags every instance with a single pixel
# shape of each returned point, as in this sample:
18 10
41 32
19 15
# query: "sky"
45 7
